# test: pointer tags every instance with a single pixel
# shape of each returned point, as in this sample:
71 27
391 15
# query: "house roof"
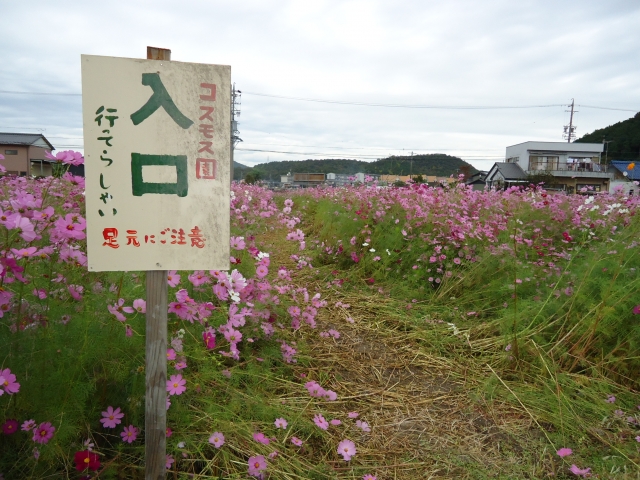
559 147
622 165
35 139
510 171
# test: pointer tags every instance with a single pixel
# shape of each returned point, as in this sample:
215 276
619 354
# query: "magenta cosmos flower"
10 427
129 434
43 433
111 417
176 385
257 465
217 439
296 441
368 476
281 423
347 449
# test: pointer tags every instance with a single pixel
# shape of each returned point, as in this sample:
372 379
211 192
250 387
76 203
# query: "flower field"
362 333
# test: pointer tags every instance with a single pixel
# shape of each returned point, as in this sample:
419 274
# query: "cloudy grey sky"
416 53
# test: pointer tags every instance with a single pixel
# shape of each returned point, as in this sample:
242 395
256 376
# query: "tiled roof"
511 171
22 139
622 165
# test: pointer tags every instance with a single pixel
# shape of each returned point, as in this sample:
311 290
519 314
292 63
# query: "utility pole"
570 130
235 112
606 149
411 168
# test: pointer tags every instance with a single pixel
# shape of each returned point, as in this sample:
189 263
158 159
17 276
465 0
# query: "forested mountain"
623 139
432 164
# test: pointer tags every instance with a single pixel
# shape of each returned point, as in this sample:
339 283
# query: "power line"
399 105
342 155
368 104
42 93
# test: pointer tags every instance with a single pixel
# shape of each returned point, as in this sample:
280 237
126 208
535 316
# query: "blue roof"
633 174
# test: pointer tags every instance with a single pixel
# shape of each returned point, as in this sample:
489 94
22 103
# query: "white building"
573 165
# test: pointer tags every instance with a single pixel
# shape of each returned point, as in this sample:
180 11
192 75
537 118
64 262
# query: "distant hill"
433 164
624 138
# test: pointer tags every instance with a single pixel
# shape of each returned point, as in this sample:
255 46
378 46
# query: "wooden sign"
157 164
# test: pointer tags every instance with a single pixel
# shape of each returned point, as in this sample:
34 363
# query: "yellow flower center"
86 460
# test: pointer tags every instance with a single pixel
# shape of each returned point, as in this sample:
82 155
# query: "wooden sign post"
155 410
157 166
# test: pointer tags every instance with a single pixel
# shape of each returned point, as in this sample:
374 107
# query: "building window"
537 162
11 152
513 159
588 187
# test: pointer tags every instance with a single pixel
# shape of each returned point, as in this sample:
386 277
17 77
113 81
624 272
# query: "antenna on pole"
570 130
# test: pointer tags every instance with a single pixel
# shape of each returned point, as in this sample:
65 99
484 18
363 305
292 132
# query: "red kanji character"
178 237
197 240
110 235
206 168
132 238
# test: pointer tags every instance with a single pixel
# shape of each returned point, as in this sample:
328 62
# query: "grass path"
425 402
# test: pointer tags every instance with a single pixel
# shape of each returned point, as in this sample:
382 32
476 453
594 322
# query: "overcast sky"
452 53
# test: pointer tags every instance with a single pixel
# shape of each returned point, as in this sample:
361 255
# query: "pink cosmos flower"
281 423
581 472
23 225
636 310
237 243
611 399
257 465
117 308
40 293
173 278
217 439
111 417
261 271
43 433
76 292
335 422
24 252
176 385
71 226
296 441
564 452
363 425
169 432
8 382
129 434
347 449
171 354
353 414
140 305
28 425
181 365
638 438
320 422
368 476
261 438
169 461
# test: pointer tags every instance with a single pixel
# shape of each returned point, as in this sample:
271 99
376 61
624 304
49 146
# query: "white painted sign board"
157 164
